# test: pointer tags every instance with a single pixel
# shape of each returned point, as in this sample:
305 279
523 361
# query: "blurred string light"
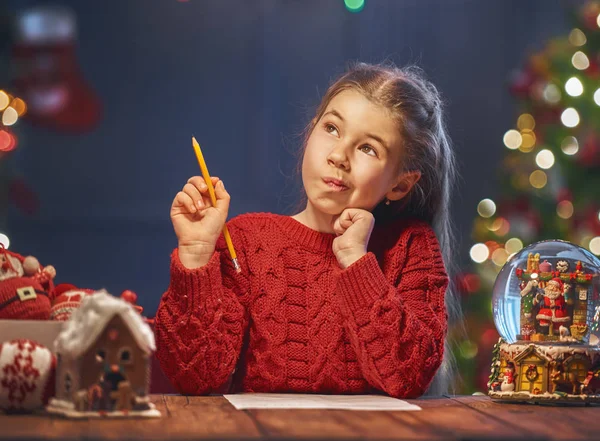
565 209
486 208
4 100
544 159
580 61
597 97
570 117
513 245
11 109
9 116
573 86
499 256
4 240
528 140
569 145
513 139
479 252
526 122
538 179
577 37
354 5
595 245
500 226
552 93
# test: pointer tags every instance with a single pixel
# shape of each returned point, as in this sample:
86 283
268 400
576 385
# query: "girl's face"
358 143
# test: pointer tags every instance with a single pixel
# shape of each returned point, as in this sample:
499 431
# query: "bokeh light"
9 116
479 252
513 139
595 245
4 240
538 179
569 145
580 61
564 209
574 87
513 245
354 5
570 117
577 37
4 100
544 159
486 208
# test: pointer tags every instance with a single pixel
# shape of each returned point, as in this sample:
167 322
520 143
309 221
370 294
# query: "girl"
325 302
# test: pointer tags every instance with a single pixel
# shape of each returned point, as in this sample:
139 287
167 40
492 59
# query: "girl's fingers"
184 200
192 191
222 196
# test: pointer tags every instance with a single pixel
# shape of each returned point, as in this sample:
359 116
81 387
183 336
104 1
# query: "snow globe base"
538 373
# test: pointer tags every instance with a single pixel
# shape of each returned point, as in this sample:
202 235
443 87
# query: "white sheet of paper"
310 401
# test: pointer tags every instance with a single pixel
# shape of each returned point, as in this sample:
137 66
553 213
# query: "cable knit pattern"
294 321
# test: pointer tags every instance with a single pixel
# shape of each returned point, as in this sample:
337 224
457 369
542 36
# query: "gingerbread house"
103 361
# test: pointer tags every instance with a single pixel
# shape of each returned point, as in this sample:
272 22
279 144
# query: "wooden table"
213 417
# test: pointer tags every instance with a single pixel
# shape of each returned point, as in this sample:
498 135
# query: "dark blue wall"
243 77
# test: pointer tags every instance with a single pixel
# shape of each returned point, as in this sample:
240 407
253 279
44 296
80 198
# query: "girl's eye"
330 128
370 150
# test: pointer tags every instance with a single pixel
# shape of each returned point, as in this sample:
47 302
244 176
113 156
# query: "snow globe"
546 308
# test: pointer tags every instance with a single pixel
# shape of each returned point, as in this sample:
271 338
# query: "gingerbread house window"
125 355
68 382
100 355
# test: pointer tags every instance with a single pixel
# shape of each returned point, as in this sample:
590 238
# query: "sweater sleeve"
201 320
398 329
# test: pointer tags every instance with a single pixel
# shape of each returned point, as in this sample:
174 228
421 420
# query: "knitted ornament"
67 299
27 375
22 297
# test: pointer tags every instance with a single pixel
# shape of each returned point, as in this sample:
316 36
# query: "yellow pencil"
213 199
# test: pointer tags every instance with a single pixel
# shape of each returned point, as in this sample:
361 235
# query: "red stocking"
47 75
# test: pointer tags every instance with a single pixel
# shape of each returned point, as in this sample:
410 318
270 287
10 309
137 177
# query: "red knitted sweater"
294 321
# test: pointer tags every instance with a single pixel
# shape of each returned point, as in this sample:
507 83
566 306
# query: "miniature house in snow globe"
546 308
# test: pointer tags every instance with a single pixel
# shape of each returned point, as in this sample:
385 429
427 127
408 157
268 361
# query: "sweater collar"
305 236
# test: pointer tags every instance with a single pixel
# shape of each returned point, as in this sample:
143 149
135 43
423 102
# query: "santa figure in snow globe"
546 308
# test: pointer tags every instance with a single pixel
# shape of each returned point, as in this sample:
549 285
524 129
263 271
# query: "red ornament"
68 298
131 297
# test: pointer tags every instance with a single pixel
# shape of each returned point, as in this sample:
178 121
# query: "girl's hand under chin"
353 228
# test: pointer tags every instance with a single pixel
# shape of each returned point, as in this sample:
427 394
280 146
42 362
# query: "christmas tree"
550 176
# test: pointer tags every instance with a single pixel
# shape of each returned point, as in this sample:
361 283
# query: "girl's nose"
338 157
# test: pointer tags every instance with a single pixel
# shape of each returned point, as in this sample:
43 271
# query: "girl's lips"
334 186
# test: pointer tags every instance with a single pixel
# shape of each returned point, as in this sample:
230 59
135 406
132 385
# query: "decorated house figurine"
547 315
103 361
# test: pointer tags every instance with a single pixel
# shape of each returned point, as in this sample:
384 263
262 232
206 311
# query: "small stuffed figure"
25 292
44 275
27 375
67 299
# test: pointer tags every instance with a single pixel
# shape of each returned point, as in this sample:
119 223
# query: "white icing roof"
89 320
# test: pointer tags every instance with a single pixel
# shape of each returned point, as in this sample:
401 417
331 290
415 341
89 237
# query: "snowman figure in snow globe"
546 308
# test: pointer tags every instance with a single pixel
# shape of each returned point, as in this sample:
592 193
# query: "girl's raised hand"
196 222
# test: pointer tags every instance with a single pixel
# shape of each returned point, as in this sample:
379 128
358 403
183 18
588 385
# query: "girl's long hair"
416 105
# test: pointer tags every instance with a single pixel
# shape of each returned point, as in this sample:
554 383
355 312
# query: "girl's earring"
387 201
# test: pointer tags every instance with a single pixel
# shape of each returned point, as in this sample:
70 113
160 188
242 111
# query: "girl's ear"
406 181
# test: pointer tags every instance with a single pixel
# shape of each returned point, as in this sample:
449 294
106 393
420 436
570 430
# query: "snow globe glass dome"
548 293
